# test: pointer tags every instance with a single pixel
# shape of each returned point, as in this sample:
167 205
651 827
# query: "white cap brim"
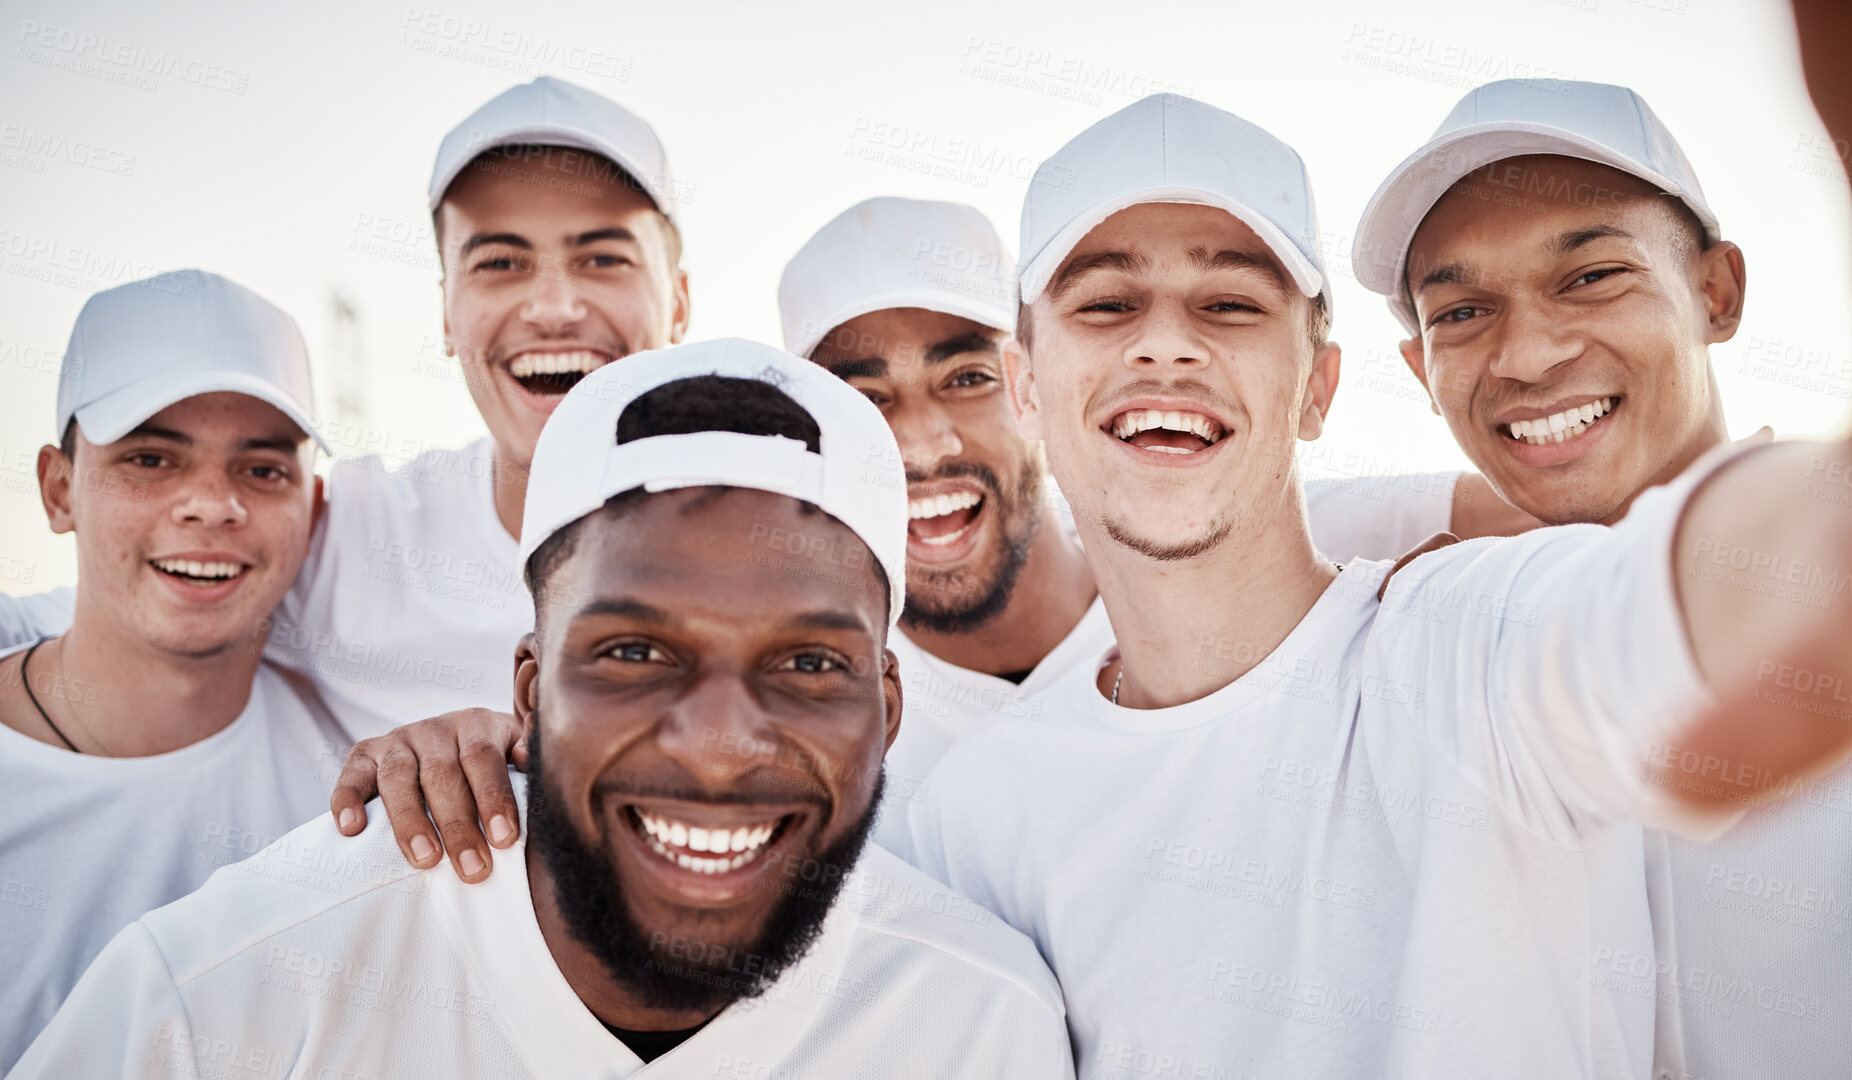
944 301
1402 203
1039 271
120 411
568 136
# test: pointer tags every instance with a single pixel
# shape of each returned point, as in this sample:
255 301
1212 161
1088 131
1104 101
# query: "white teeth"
1134 421
192 568
1562 426
933 506
554 363
745 841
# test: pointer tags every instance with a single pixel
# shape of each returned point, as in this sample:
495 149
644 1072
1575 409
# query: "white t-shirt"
1404 844
411 601
1368 518
91 843
328 957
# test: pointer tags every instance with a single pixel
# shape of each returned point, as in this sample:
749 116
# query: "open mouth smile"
194 572
1167 431
944 519
707 849
1564 426
554 373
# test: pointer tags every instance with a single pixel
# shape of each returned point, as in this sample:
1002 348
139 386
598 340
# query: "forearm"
1763 561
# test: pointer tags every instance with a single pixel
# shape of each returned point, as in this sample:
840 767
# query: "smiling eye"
502 262
269 472
812 663
639 652
1226 307
1111 306
972 378
1456 315
1597 275
606 261
147 459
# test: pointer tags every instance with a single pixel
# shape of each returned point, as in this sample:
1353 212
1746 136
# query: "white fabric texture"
89 844
1401 845
410 603
325 956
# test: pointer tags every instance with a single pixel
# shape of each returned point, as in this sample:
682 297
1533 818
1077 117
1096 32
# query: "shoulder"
375 483
926 927
303 879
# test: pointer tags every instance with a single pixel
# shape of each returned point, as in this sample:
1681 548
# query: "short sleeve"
123 1019
26 619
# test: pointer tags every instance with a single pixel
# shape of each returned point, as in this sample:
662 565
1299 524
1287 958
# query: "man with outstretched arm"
1326 834
1562 277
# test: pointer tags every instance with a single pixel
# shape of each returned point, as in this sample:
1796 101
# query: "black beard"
925 612
591 902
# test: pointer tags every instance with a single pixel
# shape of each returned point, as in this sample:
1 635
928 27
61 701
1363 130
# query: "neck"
1190 627
1052 594
610 1001
114 695
509 483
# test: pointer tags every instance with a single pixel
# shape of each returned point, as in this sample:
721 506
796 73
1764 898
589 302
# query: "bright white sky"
288 146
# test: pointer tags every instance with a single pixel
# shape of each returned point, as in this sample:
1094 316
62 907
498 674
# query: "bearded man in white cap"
553 210
147 745
1552 254
1290 828
706 706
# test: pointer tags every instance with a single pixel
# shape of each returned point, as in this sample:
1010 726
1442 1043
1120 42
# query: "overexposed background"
288 146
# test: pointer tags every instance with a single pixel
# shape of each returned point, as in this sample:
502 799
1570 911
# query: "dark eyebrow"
149 431
281 443
484 239
1238 260
628 609
867 367
970 342
1569 241
826 620
592 237
1450 274
1126 261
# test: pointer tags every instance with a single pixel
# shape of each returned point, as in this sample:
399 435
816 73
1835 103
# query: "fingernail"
421 849
499 829
349 818
470 862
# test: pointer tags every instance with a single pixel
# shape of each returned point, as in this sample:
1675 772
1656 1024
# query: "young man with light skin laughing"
910 303
1595 299
1327 834
674 912
147 745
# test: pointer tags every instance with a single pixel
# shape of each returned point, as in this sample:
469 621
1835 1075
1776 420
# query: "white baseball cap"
1596 122
857 476
553 112
140 347
1171 149
896 253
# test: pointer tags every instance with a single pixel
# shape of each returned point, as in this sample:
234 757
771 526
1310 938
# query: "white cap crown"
856 476
553 112
1171 149
140 347
1598 122
896 253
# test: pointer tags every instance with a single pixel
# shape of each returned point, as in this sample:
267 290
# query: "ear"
679 321
526 678
1025 399
1320 387
1415 355
891 696
55 471
1722 280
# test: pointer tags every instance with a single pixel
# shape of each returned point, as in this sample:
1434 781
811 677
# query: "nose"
719 732
553 304
926 434
210 499
1532 343
1167 339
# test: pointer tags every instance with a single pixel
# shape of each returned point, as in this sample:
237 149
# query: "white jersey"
1407 843
1369 518
89 844
329 957
410 603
